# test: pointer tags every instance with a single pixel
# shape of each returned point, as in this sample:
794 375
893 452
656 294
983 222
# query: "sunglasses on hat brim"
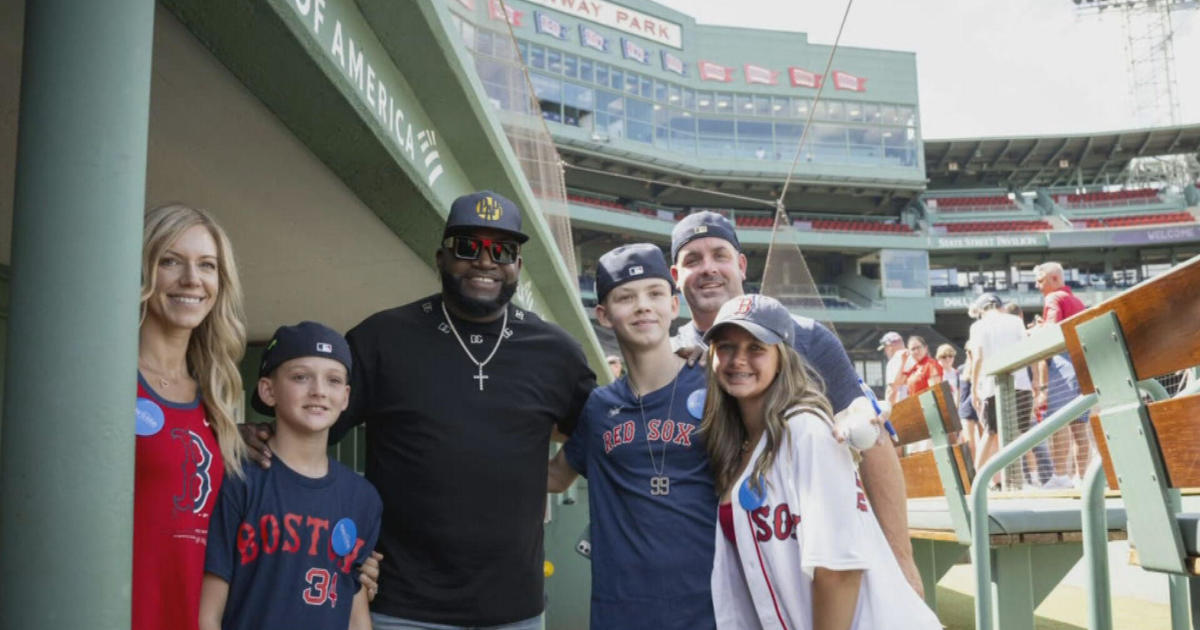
471 248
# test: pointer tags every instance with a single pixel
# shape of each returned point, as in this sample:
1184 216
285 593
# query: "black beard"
472 307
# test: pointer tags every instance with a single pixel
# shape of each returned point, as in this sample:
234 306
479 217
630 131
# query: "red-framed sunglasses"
469 248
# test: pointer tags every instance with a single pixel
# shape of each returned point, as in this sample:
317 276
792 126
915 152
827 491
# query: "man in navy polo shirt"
650 491
709 267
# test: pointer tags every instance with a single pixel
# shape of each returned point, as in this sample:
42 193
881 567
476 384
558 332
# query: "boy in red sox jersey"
286 543
798 546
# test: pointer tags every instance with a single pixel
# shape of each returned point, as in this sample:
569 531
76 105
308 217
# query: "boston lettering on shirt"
820 347
178 473
462 472
275 540
652 543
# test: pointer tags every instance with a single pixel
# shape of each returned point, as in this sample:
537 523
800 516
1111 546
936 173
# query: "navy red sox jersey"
813 513
652 505
272 540
178 472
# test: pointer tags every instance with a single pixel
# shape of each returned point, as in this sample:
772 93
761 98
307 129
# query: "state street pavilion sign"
620 18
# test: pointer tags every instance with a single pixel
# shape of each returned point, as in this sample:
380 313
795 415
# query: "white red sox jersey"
812 513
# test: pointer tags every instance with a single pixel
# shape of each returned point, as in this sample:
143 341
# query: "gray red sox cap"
306 339
761 316
701 225
628 263
485 209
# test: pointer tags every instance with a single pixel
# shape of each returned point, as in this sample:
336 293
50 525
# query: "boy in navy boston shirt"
650 492
285 543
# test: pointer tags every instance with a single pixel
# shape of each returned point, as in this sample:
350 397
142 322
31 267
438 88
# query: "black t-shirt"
462 472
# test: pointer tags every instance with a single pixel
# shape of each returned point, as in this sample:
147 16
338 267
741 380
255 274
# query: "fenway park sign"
620 18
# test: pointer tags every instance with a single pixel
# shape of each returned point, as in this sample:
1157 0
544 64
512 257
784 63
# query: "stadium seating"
1136 220
860 225
1106 199
596 201
995 203
997 226
754 221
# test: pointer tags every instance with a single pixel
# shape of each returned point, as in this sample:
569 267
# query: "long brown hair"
218 343
796 386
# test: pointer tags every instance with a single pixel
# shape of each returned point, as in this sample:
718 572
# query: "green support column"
66 468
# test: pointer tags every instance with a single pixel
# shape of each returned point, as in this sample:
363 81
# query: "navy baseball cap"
485 209
630 262
306 339
700 225
761 316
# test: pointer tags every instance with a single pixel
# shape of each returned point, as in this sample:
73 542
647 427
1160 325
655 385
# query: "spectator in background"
1055 381
966 407
892 346
925 371
993 331
945 358
615 366
1038 463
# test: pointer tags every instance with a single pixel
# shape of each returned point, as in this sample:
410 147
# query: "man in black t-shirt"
460 392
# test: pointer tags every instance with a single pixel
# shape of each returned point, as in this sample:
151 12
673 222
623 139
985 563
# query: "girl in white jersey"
797 546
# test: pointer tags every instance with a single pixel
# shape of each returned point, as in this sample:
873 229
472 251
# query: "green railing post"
1095 547
980 532
66 465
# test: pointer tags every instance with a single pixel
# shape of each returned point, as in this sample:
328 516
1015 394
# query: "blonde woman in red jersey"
191 336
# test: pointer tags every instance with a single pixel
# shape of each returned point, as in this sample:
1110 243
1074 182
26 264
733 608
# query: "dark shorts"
1024 406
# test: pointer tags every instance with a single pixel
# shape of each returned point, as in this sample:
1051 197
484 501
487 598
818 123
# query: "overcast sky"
1006 67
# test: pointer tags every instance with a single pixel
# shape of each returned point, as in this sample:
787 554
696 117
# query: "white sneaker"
1058 482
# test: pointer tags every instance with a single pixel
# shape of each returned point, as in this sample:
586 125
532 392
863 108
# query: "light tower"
1150 52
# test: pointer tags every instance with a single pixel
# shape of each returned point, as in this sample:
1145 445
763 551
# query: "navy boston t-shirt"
271 539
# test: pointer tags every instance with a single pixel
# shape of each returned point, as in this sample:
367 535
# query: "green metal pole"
1095 547
980 525
66 468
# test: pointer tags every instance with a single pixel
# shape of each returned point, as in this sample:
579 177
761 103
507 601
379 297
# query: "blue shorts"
1061 385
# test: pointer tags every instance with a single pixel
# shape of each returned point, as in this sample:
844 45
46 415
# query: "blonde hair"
218 343
796 385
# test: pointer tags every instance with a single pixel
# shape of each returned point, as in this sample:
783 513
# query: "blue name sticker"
150 419
343 537
749 499
695 403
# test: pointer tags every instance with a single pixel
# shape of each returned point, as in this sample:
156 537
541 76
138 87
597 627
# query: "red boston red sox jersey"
179 470
814 513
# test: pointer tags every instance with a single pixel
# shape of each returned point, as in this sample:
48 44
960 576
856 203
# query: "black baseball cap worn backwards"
701 225
628 263
761 316
484 209
306 339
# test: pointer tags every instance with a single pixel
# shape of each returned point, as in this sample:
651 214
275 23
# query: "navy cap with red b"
306 339
484 210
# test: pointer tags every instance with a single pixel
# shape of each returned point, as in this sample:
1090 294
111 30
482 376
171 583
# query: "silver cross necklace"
481 377
660 483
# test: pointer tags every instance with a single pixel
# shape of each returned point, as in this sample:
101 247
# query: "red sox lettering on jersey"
779 523
657 430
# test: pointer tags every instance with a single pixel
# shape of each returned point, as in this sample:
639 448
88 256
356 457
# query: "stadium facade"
329 136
